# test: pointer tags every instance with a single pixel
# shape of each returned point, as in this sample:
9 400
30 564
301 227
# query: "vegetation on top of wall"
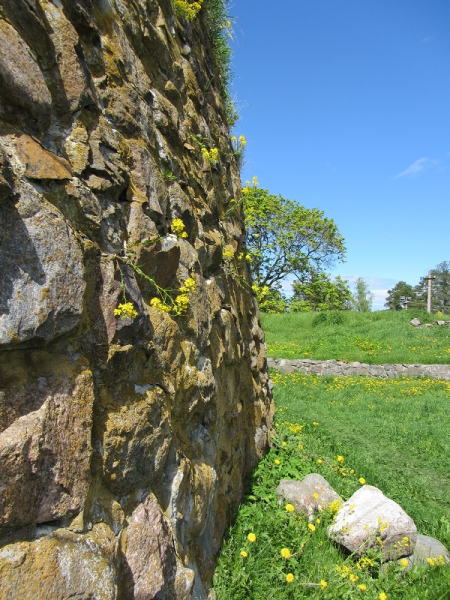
218 26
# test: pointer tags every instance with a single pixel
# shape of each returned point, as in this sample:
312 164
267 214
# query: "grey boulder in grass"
312 493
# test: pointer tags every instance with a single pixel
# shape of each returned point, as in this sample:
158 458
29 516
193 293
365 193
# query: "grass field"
392 433
376 338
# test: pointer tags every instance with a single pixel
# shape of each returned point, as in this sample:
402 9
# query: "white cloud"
417 167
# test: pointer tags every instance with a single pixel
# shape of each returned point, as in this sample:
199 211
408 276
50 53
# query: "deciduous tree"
317 292
285 238
362 296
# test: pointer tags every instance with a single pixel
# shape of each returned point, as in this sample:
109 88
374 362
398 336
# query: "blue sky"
345 106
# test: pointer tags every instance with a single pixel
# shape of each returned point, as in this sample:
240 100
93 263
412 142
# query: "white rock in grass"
370 520
312 493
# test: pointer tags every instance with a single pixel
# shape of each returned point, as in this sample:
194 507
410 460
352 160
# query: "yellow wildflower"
340 459
276 461
404 562
382 596
243 553
311 527
159 305
251 537
323 584
177 228
290 578
289 508
316 495
227 253
362 587
362 481
285 553
319 461
125 311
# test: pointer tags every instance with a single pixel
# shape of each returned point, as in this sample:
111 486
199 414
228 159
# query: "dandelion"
285 553
315 424
312 527
300 446
382 596
362 587
289 508
243 553
362 481
320 461
323 584
404 562
276 461
251 537
340 459
290 578
283 444
316 495
318 521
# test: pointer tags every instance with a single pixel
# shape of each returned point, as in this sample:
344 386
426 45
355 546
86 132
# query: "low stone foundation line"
338 368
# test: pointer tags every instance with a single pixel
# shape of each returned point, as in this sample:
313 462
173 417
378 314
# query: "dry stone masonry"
338 368
124 443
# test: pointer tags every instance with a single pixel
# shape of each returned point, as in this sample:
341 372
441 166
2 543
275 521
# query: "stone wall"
124 443
338 368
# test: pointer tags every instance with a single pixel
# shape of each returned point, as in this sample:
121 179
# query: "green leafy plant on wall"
174 302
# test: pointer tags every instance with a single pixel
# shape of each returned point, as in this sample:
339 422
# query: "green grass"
376 338
394 433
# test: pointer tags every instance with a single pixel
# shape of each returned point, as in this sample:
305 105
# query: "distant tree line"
440 292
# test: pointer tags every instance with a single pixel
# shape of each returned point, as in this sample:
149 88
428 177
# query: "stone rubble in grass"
311 494
368 519
371 520
428 548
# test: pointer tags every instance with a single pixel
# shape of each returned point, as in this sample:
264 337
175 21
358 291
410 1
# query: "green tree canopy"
400 289
362 296
440 295
317 292
285 238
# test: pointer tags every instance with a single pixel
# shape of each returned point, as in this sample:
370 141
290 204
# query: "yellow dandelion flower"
300 446
340 459
362 481
290 578
320 461
382 596
276 461
285 553
283 444
404 562
316 495
243 553
323 584
251 537
362 587
289 508
311 527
